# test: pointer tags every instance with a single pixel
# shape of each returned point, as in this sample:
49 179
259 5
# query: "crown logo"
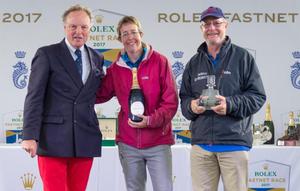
296 54
177 54
20 54
28 181
98 19
265 166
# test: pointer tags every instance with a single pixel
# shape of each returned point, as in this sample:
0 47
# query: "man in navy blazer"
60 124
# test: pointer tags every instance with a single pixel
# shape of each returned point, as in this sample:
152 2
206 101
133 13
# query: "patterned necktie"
78 61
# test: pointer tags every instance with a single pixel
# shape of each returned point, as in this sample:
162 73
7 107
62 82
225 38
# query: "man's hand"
195 106
141 124
30 146
221 108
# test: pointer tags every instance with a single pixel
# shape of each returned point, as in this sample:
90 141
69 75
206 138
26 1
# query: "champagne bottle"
136 99
292 127
298 124
268 122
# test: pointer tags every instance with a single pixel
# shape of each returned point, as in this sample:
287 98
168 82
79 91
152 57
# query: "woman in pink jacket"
146 143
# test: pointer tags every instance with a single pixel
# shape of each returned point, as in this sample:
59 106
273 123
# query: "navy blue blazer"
59 109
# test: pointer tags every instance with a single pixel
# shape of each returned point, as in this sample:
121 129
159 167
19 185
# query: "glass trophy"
208 96
261 134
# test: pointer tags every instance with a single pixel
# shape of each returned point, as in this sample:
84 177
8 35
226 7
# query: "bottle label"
290 143
280 143
137 108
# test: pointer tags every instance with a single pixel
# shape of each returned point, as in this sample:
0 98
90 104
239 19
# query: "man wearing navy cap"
221 129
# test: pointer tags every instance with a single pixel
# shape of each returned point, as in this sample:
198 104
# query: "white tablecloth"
267 163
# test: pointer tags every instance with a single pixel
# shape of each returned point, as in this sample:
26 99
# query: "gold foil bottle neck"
135 83
268 116
291 119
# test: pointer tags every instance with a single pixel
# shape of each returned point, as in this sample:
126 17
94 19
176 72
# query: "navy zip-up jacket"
238 80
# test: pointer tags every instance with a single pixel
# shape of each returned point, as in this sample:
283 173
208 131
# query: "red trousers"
64 173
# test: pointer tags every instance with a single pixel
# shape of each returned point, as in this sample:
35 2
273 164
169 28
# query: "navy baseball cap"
212 12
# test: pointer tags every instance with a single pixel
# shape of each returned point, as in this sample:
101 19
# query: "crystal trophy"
261 134
208 96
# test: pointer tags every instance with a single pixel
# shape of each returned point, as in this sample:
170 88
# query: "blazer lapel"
69 64
95 71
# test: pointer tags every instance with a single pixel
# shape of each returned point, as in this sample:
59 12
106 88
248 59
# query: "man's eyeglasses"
127 34
216 24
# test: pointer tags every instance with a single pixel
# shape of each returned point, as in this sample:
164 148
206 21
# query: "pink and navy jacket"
161 101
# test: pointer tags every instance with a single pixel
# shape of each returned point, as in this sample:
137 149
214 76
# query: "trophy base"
209 98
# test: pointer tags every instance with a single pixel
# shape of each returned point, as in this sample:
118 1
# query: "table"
267 165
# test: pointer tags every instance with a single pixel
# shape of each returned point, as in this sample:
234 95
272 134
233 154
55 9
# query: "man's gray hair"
76 8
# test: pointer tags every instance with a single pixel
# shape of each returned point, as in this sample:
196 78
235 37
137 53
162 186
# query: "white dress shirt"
86 67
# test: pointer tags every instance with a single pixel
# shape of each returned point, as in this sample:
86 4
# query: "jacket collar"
68 63
224 49
148 53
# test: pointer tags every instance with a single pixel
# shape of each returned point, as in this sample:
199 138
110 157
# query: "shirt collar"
71 48
126 59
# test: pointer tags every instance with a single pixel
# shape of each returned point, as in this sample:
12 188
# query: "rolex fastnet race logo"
268 175
20 71
295 73
103 33
13 126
